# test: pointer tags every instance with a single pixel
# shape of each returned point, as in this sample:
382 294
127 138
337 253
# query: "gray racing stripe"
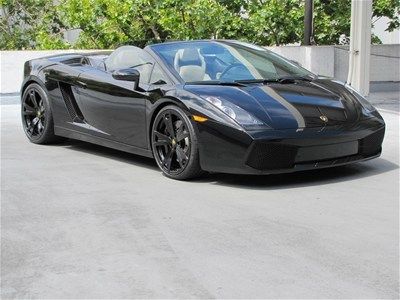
295 113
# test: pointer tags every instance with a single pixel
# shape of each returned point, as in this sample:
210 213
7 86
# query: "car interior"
207 61
130 57
190 65
202 62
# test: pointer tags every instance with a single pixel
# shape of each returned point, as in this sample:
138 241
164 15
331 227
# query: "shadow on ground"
110 153
304 178
267 182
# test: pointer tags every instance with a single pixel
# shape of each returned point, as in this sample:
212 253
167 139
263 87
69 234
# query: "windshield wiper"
283 79
289 79
243 82
249 81
217 82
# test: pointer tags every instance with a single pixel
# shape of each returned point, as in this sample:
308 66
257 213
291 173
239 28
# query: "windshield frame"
155 49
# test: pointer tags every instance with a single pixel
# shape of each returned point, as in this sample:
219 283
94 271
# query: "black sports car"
217 106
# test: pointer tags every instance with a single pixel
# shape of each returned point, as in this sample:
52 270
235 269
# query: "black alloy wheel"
174 144
36 115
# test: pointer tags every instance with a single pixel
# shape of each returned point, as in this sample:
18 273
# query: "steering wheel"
230 67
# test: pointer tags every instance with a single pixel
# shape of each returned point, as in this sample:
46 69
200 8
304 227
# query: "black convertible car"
217 106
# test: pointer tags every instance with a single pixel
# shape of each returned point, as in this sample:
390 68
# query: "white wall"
324 60
12 66
333 61
385 63
318 59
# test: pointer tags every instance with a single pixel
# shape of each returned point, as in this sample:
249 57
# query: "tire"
175 145
36 115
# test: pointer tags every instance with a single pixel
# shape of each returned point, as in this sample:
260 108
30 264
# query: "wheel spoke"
181 136
41 106
162 143
179 126
35 121
29 112
32 95
168 159
161 136
27 106
30 128
181 156
169 125
162 139
40 126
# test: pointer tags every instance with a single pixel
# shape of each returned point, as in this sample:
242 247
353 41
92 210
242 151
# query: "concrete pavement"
83 221
388 100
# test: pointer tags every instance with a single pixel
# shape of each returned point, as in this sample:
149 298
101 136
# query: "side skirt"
72 134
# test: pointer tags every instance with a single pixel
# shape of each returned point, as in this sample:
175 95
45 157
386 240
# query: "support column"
360 45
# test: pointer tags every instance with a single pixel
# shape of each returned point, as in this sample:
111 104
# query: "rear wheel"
174 144
37 119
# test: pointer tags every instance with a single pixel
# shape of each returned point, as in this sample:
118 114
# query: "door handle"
81 84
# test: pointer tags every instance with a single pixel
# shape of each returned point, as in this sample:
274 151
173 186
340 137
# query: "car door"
113 107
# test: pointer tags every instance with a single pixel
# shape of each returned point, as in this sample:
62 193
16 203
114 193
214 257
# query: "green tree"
198 19
332 18
30 24
108 23
274 22
41 24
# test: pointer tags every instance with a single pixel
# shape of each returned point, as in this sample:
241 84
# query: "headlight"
236 113
364 102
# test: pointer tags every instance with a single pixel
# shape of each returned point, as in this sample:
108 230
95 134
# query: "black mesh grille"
268 156
371 144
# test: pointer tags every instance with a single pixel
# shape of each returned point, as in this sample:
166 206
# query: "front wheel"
174 144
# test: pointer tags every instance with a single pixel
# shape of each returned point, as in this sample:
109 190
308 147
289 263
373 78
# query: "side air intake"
70 102
372 143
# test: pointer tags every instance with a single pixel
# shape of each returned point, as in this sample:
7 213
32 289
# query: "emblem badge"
324 119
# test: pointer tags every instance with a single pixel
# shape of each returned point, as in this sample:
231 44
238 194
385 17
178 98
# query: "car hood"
299 104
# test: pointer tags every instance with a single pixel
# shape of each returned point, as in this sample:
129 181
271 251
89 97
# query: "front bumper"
227 150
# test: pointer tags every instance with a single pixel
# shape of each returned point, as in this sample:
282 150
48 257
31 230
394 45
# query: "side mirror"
296 62
127 75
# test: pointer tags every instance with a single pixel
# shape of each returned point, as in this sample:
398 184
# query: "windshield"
225 61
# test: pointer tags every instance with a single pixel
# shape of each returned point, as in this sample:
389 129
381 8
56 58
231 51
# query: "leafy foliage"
275 22
197 19
331 18
28 24
41 24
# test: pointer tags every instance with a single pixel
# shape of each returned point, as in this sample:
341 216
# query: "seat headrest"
188 57
122 57
190 64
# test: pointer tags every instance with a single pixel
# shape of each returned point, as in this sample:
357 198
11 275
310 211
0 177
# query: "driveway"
83 221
